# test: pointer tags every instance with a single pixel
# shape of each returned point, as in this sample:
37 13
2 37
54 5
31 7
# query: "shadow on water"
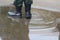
12 28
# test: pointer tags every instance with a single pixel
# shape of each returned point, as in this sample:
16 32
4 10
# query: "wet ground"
14 28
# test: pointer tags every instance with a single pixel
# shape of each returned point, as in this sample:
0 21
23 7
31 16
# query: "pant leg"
18 2
28 5
28 1
18 5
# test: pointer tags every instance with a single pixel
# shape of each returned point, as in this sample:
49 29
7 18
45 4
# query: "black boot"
18 11
28 11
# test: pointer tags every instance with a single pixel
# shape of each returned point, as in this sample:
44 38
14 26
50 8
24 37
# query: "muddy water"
13 28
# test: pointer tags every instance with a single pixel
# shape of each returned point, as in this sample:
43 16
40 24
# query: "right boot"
28 14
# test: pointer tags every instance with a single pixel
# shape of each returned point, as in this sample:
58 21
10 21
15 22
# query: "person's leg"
18 11
28 8
18 6
18 3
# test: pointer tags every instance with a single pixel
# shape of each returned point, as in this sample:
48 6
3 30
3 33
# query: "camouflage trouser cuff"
28 2
20 3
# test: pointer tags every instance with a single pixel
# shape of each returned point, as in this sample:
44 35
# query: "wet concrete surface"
12 28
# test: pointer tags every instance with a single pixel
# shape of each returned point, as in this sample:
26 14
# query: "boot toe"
11 13
28 16
19 15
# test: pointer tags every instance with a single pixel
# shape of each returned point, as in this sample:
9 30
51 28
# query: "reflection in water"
12 28
0 38
14 19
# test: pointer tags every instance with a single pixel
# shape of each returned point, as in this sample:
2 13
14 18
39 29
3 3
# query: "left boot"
28 11
19 9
